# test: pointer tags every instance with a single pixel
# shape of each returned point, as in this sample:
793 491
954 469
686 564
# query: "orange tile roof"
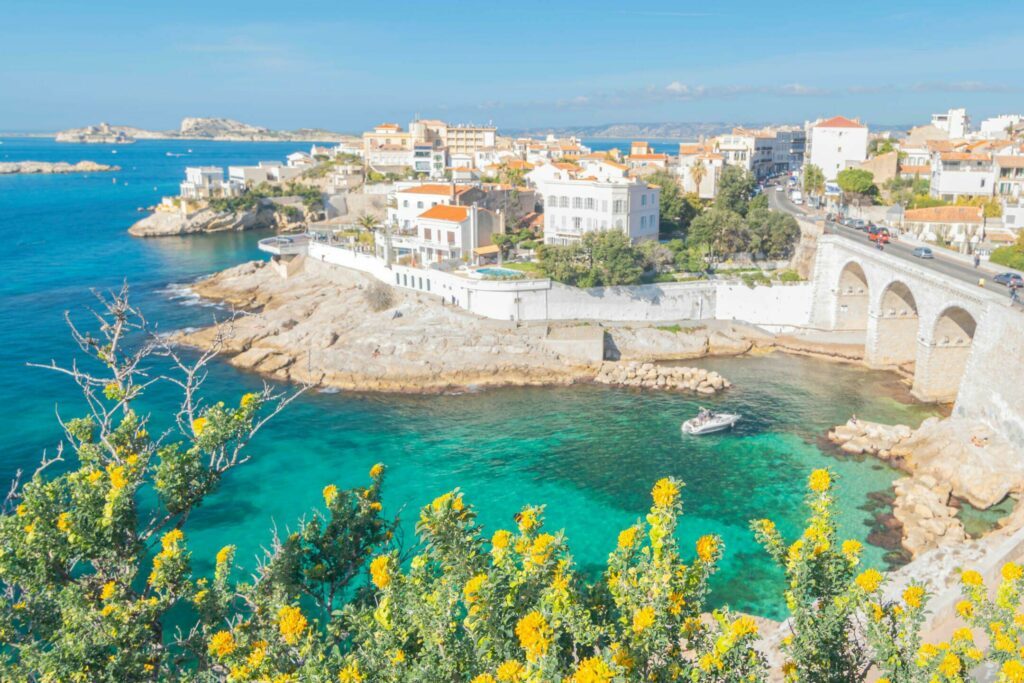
945 214
436 189
392 126
965 156
939 145
652 157
839 122
1010 161
916 169
565 166
519 164
443 212
614 164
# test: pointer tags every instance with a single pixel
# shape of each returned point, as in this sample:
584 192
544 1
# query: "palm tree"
367 222
697 174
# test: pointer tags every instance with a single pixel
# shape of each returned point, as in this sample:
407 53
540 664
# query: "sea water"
590 453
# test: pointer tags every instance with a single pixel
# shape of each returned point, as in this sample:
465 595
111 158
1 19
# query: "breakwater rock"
669 377
168 223
44 167
922 507
874 438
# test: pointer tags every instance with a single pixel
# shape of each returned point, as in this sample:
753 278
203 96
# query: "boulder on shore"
168 223
656 376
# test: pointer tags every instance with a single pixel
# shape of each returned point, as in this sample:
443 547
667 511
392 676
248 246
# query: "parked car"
857 223
1009 279
923 252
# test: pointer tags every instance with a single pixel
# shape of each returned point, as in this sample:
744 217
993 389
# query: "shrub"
1011 257
379 296
790 276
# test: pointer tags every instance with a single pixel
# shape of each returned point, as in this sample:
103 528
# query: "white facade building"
835 144
996 127
443 233
955 174
263 172
204 182
712 164
412 200
955 122
573 207
737 150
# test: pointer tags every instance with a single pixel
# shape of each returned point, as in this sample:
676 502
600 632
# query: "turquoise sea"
590 453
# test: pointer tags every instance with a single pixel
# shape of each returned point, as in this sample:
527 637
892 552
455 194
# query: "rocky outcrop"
103 134
43 167
922 507
168 223
861 436
666 377
197 128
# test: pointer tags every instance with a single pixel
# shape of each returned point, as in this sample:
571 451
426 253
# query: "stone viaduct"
964 343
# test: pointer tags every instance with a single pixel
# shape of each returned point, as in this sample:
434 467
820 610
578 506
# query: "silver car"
923 252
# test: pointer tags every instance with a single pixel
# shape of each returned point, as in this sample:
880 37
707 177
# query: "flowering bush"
94 561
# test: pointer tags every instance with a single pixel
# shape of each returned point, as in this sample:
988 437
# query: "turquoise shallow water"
590 453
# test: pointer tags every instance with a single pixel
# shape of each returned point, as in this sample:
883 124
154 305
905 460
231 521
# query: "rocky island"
197 128
45 167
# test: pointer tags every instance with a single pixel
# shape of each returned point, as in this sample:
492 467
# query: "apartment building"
573 207
205 182
955 122
467 139
1010 176
956 174
411 200
443 233
836 143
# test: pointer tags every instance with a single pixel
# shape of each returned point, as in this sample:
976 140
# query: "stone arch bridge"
963 342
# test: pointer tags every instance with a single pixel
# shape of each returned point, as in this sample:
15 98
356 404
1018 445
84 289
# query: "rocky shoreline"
53 167
164 223
667 377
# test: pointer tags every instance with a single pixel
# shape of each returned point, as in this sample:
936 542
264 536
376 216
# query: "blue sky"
345 64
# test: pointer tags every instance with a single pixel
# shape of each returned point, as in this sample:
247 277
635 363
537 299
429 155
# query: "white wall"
778 308
833 149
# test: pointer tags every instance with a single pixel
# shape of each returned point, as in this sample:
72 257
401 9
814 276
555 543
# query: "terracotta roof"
443 212
519 163
965 156
614 164
939 145
436 189
652 157
839 122
944 214
392 126
562 165
916 169
1010 161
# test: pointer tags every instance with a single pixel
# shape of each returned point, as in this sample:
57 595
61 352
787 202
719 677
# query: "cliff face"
170 223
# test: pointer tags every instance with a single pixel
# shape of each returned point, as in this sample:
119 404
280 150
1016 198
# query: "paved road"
943 264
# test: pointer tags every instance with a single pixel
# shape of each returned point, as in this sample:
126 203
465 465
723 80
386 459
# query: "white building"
1010 177
204 182
712 170
835 144
955 122
444 233
996 127
737 149
263 172
955 174
412 200
573 207
300 160
429 160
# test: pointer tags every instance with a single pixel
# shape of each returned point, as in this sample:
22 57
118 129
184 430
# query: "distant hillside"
642 131
193 128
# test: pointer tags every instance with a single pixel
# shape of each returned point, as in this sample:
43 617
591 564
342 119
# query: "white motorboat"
708 422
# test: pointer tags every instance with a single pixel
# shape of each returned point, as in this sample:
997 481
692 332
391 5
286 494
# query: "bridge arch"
943 353
852 298
893 328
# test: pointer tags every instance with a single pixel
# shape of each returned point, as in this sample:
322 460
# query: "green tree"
814 180
857 184
698 171
723 231
772 233
672 203
604 258
367 222
735 188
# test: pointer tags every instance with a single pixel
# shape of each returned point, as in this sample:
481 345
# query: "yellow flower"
1013 671
1012 571
876 611
676 602
259 652
500 539
291 623
971 578
540 550
351 674
484 678
250 399
21 510
200 596
64 522
765 526
380 571
819 481
664 492
107 610
376 471
743 626
95 476
851 549
964 609
643 619
225 554
30 528
472 588
534 635
963 635
170 540
913 595
398 657
198 425
330 493
627 537
222 644
592 670
950 665
376 507
869 580
109 588
511 671
117 479
527 520
707 546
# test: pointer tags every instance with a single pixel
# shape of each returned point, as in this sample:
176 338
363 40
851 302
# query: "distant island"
197 129
29 167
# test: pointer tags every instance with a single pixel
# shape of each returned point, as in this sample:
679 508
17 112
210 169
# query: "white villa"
836 144
204 182
443 233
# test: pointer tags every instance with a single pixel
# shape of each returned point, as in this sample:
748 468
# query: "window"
604 205
619 207
643 200
405 203
451 238
419 205
426 233
589 203
577 223
643 221
577 202
398 279
564 202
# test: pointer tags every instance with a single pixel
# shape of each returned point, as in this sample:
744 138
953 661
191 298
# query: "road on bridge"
950 267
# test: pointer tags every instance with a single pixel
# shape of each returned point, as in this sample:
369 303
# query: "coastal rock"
165 223
927 518
665 377
44 167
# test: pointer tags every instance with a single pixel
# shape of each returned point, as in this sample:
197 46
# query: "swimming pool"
494 271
